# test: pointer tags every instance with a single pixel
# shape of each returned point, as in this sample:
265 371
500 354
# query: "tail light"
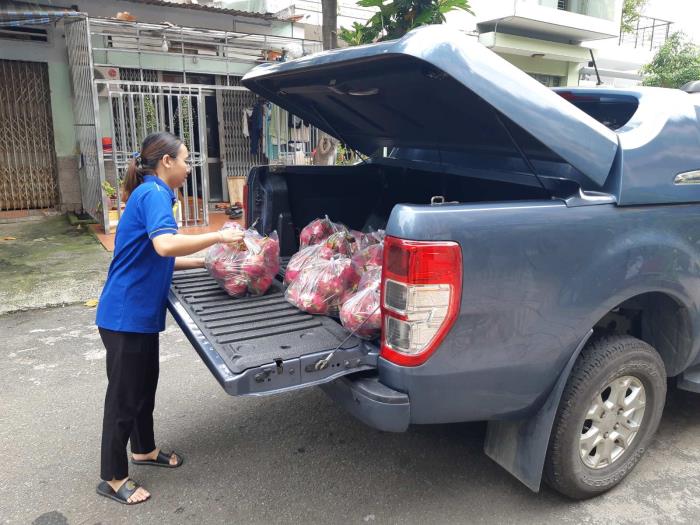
246 219
421 292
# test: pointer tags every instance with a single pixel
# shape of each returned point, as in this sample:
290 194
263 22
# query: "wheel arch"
659 318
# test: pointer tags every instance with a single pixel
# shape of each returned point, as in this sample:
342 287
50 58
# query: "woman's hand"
188 263
171 245
229 235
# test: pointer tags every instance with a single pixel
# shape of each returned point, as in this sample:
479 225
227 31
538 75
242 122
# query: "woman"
131 311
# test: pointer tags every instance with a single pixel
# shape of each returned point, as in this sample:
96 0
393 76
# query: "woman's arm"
175 245
188 263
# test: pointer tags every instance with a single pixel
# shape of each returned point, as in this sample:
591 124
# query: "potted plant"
111 194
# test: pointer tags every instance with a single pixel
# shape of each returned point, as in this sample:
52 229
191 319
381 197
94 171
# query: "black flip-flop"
163 460
123 494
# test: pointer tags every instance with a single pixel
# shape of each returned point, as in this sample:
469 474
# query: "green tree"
631 11
676 62
395 18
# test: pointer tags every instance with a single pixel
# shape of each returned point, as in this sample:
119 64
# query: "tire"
632 376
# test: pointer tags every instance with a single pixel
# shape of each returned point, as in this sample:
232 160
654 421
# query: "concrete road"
284 459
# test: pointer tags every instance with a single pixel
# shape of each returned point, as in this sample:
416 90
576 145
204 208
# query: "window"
613 111
25 34
547 80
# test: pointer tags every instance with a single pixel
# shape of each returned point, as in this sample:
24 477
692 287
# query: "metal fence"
87 122
27 157
140 108
649 33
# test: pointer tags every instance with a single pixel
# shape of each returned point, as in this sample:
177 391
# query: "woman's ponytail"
155 146
134 177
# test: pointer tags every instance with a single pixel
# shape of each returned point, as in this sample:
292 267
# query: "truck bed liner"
253 331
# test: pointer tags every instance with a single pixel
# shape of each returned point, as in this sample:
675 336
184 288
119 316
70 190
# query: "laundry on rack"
247 113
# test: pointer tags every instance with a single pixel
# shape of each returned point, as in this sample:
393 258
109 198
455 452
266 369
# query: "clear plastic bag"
318 231
374 237
370 256
341 242
321 288
249 266
361 314
306 257
337 243
370 278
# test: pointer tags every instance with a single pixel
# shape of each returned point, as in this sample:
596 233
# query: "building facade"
79 89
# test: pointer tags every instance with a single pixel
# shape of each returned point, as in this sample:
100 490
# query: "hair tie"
137 159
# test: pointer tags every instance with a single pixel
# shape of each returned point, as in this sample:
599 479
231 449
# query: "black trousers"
132 374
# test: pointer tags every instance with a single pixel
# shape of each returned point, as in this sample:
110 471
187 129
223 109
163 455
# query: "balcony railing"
649 33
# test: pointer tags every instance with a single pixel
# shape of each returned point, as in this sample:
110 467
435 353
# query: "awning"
18 14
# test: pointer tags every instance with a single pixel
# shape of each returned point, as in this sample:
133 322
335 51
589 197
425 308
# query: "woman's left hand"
188 263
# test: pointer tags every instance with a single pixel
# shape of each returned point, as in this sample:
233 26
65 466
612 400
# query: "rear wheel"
608 414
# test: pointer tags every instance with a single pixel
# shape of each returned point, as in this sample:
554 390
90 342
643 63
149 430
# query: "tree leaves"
676 62
631 11
395 18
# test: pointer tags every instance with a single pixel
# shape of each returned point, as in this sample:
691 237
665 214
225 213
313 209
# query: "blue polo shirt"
133 298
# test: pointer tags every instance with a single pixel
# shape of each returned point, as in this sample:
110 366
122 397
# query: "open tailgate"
262 345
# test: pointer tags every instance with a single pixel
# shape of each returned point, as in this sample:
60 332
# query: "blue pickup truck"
541 267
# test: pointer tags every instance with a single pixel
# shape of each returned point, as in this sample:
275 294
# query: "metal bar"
172 85
143 117
203 146
114 160
186 211
190 125
170 113
132 115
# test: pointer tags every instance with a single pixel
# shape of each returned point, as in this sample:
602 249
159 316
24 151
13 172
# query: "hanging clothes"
299 130
255 126
247 112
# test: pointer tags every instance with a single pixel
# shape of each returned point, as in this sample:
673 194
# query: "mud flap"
520 446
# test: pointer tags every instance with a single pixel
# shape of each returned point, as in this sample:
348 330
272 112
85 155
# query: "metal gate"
281 145
139 108
236 152
27 155
87 121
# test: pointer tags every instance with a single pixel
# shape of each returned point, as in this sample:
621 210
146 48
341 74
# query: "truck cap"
436 89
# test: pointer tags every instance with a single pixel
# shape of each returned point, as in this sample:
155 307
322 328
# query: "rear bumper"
371 402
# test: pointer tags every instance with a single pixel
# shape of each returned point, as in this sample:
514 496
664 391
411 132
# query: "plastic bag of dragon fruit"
247 267
322 287
370 256
318 231
337 243
304 258
362 240
360 314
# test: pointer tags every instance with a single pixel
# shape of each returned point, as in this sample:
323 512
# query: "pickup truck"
541 265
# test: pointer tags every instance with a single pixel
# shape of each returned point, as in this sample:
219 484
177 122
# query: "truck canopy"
659 133
438 92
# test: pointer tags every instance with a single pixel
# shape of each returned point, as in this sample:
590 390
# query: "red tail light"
421 293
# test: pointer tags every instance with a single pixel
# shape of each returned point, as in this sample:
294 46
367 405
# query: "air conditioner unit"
106 73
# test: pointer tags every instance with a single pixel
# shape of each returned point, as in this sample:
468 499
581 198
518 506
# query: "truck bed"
256 345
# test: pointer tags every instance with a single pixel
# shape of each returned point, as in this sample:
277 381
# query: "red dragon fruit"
305 257
246 267
341 242
361 315
320 288
370 278
370 256
318 231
